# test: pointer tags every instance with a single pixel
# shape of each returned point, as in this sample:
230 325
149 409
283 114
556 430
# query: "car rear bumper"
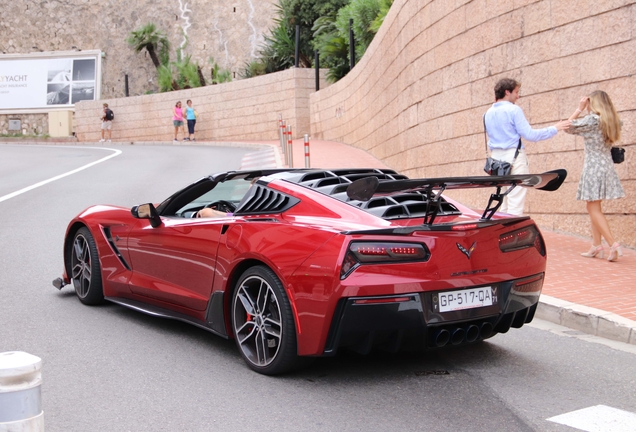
413 322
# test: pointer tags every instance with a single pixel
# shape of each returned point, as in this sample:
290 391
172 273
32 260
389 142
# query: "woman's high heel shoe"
615 252
595 251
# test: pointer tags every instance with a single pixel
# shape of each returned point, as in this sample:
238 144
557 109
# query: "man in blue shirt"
505 126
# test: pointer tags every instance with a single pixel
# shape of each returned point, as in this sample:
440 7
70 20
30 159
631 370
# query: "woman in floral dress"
600 128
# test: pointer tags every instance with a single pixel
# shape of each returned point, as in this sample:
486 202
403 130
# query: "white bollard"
20 392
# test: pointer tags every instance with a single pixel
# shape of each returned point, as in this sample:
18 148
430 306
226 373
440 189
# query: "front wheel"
85 269
263 323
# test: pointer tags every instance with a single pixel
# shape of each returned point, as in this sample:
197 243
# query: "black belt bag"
498 167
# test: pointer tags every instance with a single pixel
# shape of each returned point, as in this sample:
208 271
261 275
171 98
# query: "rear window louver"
262 200
399 206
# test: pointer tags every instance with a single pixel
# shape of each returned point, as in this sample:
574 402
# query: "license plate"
465 299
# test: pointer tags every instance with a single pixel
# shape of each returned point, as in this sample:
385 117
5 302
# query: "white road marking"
261 159
599 418
52 179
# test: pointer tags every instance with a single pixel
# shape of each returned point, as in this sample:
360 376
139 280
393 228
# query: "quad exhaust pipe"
459 335
442 338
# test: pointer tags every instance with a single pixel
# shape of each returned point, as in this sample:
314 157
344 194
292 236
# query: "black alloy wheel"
85 269
263 323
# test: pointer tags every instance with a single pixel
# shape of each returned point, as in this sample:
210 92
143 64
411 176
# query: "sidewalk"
586 294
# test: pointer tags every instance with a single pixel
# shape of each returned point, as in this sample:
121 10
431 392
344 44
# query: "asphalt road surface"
108 368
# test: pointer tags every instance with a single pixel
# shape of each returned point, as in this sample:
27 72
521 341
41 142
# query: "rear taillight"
521 239
381 252
528 286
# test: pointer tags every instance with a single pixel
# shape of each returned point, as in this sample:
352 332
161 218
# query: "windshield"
207 192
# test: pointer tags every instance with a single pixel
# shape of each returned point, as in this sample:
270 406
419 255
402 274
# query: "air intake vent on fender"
262 200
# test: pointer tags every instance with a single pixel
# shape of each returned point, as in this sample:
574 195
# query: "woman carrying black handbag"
600 128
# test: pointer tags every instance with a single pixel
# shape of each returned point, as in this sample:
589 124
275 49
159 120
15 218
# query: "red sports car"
299 263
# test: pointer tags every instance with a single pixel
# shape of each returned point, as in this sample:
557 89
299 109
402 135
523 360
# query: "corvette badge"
468 251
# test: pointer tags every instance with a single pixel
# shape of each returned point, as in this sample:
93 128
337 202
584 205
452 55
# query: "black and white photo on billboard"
59 70
83 91
58 94
84 70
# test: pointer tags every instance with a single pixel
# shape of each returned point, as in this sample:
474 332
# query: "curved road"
111 369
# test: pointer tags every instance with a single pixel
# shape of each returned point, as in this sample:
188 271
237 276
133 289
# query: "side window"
231 191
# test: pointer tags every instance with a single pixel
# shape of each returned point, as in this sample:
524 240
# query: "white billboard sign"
54 80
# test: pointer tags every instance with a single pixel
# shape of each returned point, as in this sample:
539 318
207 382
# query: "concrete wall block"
566 69
620 21
476 13
536 16
534 79
567 11
497 8
542 108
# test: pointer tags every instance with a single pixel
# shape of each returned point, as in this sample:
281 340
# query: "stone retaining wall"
241 110
417 97
32 124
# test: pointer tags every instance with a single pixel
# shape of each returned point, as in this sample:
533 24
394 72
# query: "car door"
175 262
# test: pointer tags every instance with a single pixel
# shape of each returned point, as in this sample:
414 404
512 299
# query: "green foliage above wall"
324 26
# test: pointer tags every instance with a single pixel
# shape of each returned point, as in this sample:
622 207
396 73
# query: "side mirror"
147 211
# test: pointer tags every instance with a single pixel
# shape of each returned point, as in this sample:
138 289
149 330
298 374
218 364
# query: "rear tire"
263 323
86 272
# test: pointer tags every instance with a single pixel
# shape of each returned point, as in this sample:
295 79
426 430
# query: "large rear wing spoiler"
365 188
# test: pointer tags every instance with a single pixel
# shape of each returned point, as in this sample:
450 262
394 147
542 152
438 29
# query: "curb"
586 319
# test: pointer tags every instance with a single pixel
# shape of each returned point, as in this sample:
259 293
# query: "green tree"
324 26
279 49
385 5
152 40
253 68
363 13
333 48
219 75
331 33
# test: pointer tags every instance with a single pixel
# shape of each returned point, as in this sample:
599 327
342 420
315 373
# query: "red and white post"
290 149
307 162
281 132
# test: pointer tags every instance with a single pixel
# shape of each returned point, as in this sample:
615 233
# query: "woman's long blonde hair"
601 104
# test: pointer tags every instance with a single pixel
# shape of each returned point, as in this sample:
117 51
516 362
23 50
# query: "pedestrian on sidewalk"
600 128
191 117
107 123
177 120
505 125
